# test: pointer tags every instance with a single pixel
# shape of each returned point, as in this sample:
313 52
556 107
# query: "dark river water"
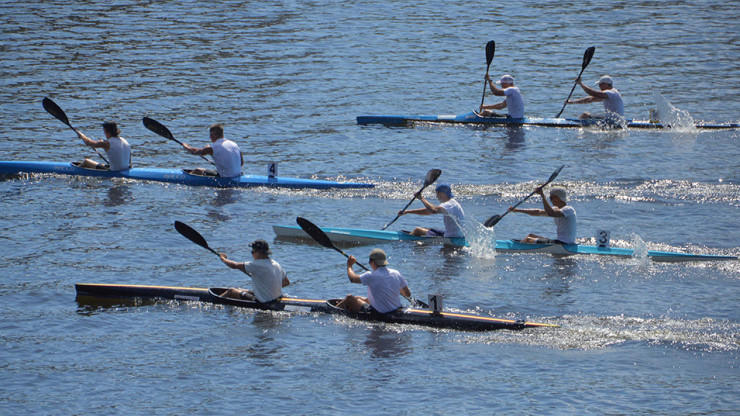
288 79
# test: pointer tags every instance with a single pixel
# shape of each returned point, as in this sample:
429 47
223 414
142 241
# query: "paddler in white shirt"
563 214
268 277
226 154
117 149
513 101
384 286
609 95
449 207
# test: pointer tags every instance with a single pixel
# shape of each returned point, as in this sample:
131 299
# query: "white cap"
606 79
506 78
558 192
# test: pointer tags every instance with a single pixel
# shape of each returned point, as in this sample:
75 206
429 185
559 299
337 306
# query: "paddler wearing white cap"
563 214
513 101
609 95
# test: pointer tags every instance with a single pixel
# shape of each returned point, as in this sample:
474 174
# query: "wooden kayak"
102 294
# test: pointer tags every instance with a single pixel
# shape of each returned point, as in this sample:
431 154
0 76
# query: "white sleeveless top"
514 102
227 157
614 103
119 154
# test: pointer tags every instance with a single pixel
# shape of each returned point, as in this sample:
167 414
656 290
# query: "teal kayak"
178 176
473 118
363 237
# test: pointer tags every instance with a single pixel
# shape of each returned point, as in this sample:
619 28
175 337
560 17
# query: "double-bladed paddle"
163 131
194 236
320 236
490 50
52 108
496 218
432 176
586 60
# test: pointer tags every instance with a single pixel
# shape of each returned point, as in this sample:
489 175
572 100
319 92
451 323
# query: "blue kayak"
362 237
174 176
473 118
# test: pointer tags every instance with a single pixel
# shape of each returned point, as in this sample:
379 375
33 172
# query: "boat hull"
173 176
475 119
364 237
92 294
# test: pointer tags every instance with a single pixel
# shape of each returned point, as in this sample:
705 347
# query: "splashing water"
482 240
676 118
640 251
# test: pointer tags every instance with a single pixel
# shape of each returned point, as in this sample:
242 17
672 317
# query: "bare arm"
208 150
494 89
406 292
232 264
100 144
353 277
592 92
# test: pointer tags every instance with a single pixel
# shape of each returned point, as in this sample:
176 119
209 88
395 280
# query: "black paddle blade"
432 176
492 221
52 108
158 128
192 235
315 232
490 50
555 174
587 56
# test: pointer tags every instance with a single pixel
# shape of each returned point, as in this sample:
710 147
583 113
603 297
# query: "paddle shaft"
496 218
52 108
586 60
194 236
163 131
431 177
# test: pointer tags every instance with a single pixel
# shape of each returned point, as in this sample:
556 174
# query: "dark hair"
111 128
260 246
217 128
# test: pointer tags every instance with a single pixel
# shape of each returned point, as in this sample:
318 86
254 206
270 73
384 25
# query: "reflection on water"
226 196
558 277
118 194
514 138
384 343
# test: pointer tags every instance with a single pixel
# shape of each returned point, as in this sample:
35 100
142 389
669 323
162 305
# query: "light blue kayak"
473 118
174 176
363 237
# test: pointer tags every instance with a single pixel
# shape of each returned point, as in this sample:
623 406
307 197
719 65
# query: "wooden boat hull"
92 294
173 176
365 237
475 119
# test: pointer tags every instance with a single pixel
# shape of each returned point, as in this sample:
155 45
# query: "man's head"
506 81
216 131
444 192
260 248
378 257
605 83
111 129
559 193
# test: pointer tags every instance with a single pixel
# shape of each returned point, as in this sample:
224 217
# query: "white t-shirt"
227 157
614 103
453 218
119 154
267 278
383 288
514 102
566 225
